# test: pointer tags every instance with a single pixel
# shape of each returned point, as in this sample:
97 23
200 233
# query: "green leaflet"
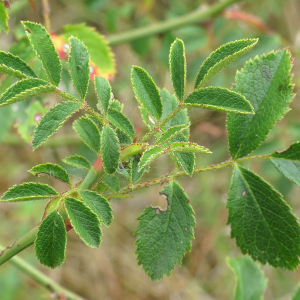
88 132
29 191
266 83
79 66
84 222
186 160
100 52
52 120
149 156
288 162
24 89
146 92
164 236
51 241
262 222
99 205
3 18
103 92
221 58
52 170
112 182
177 64
14 65
136 174
222 99
110 149
170 133
120 121
251 282
133 149
43 46
77 161
187 147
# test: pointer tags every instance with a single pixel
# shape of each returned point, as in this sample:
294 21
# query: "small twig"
46 14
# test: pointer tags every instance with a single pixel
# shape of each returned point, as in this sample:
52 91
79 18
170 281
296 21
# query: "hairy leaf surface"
120 121
79 66
24 89
164 236
221 58
150 155
43 46
88 132
112 182
222 99
146 92
99 205
3 18
262 222
52 120
77 161
51 241
288 162
250 280
14 65
266 83
187 147
171 133
177 64
52 170
110 149
29 191
84 221
103 92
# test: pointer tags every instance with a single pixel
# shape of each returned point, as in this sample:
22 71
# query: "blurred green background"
111 272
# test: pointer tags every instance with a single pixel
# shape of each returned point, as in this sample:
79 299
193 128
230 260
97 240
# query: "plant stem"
190 18
46 14
42 279
19 245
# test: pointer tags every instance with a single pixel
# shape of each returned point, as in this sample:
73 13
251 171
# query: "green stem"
41 278
153 29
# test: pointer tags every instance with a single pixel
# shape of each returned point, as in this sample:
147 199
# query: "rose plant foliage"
261 222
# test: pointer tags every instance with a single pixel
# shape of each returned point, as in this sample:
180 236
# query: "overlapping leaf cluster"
261 221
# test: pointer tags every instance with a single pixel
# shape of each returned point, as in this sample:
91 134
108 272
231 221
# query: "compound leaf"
120 121
43 46
29 191
84 221
146 92
52 120
177 64
79 66
14 65
77 161
51 241
288 162
3 18
251 282
221 58
24 89
103 92
110 149
52 170
88 132
262 222
266 83
164 236
149 156
99 205
222 99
